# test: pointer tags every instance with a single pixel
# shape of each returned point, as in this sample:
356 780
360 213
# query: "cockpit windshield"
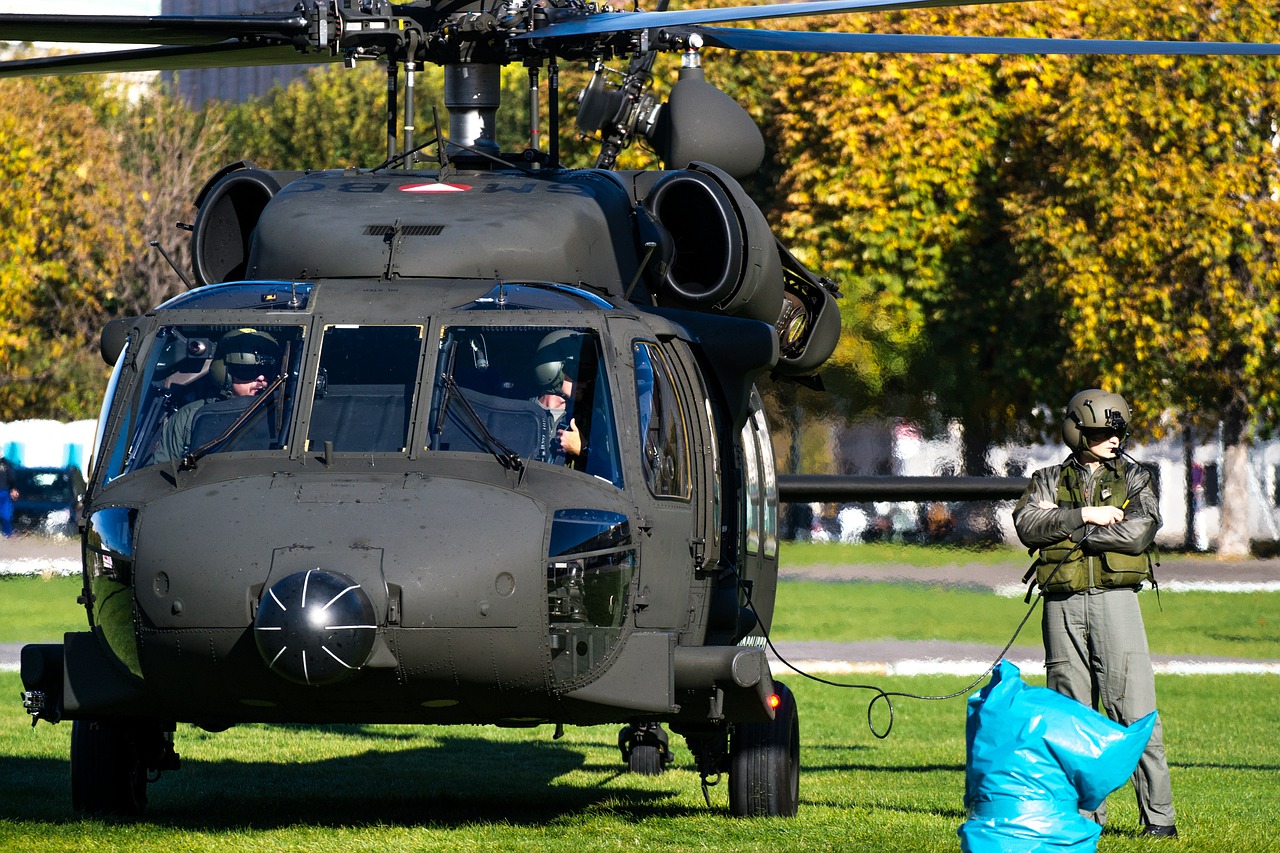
525 393
210 389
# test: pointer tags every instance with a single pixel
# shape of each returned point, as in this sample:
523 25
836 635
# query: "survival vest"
1063 567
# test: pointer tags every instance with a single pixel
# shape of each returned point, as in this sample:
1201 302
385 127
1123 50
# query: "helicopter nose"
315 627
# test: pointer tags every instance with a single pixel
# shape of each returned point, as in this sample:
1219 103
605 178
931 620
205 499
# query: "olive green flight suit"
1095 643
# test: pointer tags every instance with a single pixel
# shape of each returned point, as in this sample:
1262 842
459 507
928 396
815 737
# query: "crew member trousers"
1095 651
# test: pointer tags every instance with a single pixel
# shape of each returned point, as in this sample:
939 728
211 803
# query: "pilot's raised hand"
570 439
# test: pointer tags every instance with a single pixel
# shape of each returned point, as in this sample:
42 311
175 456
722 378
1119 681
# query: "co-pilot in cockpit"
525 393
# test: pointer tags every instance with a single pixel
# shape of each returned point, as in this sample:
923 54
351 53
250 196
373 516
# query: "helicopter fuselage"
449 447
494 589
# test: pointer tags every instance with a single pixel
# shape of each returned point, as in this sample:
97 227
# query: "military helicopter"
471 439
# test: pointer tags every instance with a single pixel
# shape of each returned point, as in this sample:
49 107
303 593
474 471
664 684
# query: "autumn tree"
64 242
334 117
172 151
886 174
330 117
1022 227
1145 201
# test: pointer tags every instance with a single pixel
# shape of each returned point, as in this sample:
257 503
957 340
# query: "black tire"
646 759
108 776
764 763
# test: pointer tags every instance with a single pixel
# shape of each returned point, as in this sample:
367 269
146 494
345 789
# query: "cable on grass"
887 695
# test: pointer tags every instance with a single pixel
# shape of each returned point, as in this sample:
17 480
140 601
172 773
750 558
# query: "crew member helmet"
557 359
244 348
1094 409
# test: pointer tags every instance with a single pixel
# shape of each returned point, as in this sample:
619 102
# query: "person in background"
1092 522
8 494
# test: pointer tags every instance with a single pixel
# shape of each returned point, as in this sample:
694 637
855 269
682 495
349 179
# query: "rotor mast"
472 95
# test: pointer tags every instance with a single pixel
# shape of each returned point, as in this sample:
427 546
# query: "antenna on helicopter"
442 153
155 244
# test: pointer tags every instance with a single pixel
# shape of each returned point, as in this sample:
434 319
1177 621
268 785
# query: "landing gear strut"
762 760
112 762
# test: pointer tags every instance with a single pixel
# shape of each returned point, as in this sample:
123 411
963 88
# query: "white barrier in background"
48 444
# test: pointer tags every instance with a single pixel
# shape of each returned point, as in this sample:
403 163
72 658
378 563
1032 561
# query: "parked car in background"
48 500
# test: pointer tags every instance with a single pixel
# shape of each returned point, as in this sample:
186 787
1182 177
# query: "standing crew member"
1093 520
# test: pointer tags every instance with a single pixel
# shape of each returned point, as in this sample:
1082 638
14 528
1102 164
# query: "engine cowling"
229 207
725 258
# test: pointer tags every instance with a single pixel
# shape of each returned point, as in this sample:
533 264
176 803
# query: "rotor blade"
148 29
802 42
614 22
225 55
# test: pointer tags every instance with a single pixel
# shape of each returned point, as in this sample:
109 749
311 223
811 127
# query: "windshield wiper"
189 461
508 457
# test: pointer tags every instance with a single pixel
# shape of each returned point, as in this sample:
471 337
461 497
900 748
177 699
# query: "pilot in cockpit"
556 370
244 364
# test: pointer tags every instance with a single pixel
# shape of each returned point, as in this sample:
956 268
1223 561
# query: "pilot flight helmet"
557 359
1094 409
244 348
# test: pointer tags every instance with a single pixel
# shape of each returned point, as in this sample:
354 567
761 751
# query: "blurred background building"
196 86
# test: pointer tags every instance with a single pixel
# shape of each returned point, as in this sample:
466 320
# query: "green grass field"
382 788
259 788
1245 625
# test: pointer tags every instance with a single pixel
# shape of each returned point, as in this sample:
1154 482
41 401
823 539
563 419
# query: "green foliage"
64 241
885 174
1037 224
1145 203
328 118
334 117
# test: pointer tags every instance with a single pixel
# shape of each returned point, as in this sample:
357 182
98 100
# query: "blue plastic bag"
1035 758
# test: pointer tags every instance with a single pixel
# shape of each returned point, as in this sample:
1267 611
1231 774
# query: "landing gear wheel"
645 760
764 763
646 748
108 774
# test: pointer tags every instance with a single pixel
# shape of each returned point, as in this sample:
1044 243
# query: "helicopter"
465 439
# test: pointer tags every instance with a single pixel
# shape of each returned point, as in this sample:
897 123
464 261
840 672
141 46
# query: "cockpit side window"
210 389
760 482
664 429
365 388
526 393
